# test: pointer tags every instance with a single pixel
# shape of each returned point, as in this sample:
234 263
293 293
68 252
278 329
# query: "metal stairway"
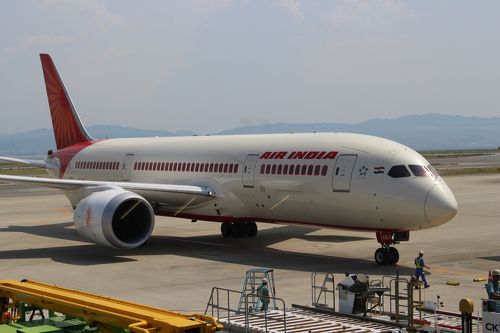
253 279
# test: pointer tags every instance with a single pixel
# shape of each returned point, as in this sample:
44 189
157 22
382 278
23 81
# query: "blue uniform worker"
419 268
493 290
263 293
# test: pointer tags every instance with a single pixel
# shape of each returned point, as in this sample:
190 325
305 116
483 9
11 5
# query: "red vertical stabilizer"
68 129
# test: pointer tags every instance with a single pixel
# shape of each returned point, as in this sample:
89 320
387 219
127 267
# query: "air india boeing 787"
330 180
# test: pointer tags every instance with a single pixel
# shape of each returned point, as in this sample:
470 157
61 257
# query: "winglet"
68 128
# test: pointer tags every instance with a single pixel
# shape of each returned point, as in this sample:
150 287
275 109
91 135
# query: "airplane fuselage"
321 179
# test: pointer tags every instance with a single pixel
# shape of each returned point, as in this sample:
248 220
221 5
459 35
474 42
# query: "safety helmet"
495 272
421 252
264 280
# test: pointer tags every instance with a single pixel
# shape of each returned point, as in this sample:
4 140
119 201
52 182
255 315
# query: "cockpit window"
434 172
419 170
399 171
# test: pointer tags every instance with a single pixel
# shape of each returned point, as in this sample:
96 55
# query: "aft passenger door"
342 173
126 166
249 170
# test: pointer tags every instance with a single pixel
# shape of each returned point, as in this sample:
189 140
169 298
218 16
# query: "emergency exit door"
126 165
249 170
342 172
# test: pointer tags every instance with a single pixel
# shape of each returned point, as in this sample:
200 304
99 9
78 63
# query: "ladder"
253 279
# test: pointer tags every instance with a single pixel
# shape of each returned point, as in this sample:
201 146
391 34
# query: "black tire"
381 255
251 229
238 229
394 255
226 229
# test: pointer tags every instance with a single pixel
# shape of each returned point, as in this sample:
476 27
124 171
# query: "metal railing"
224 303
264 314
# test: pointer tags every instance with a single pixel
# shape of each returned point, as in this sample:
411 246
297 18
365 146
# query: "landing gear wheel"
226 229
386 256
381 255
251 229
238 229
393 256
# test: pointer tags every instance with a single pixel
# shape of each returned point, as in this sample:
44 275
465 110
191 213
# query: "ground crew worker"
493 290
419 269
263 293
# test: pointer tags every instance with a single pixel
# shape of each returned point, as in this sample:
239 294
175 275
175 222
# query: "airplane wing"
147 188
37 163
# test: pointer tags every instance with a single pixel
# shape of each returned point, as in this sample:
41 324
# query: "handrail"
249 314
215 305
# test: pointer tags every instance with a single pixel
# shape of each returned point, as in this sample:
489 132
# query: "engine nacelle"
115 218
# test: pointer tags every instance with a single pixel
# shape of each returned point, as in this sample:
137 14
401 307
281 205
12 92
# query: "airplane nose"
440 205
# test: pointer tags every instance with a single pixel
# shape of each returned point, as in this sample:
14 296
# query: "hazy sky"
212 65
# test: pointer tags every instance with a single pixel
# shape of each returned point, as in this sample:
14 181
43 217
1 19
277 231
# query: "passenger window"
316 170
324 170
273 170
310 170
262 168
268 169
419 170
280 167
235 168
304 169
297 170
399 171
285 169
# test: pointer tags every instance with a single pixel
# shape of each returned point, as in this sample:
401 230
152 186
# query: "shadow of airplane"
245 251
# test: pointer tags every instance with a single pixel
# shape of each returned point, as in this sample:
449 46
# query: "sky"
208 66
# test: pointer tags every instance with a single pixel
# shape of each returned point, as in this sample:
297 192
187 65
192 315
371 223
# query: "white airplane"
328 180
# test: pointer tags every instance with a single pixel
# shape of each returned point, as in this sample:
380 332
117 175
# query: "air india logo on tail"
89 218
68 129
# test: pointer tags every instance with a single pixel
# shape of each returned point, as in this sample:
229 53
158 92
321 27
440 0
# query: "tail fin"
68 129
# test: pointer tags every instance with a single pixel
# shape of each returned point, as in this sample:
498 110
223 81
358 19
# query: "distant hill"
421 132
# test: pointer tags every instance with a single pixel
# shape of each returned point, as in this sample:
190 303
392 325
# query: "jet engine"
115 218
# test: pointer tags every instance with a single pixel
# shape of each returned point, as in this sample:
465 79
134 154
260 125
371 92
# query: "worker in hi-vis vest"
263 293
419 269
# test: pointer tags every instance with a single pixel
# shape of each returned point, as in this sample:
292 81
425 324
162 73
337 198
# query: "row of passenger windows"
187 167
285 169
94 165
400 171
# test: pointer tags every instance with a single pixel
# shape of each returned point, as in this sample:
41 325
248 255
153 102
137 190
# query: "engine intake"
115 218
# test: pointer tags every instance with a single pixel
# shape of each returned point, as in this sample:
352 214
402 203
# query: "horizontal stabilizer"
36 163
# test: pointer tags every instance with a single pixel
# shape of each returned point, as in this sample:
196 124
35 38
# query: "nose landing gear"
387 255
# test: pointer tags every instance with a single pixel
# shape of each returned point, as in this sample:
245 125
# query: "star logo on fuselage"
363 170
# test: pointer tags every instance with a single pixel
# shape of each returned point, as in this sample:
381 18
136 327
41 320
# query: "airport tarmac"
180 264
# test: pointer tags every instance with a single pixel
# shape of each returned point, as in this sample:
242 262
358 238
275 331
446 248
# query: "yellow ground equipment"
98 313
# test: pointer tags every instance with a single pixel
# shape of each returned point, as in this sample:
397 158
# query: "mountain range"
420 132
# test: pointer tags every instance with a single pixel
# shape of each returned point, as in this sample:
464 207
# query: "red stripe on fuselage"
66 155
228 219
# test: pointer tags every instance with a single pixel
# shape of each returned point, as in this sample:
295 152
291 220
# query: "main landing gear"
387 255
239 229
